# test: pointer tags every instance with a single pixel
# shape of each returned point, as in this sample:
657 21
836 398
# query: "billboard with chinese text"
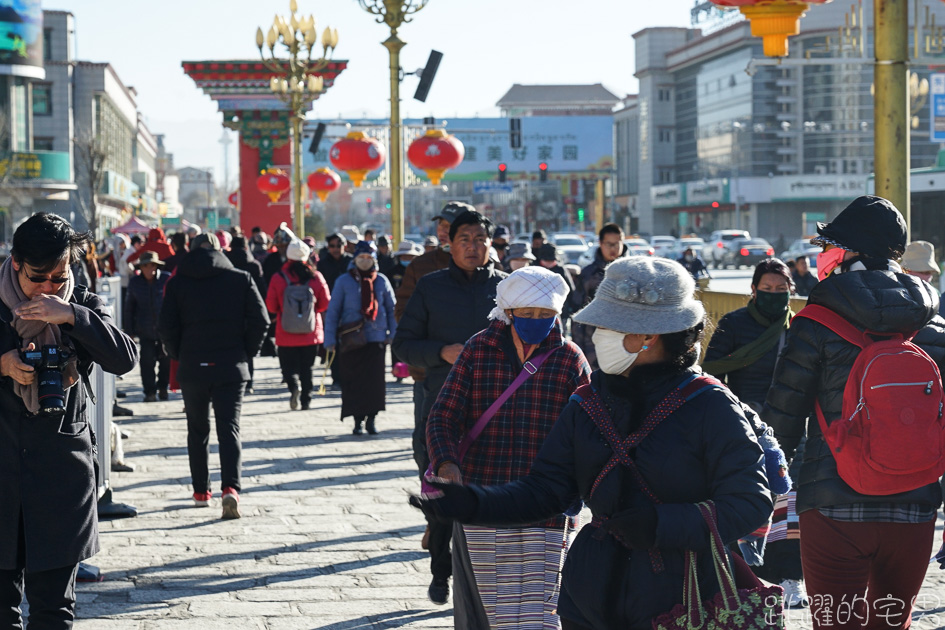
21 38
571 146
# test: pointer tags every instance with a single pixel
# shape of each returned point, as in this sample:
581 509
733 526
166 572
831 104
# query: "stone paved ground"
327 540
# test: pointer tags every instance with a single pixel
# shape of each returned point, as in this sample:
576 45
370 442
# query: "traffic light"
543 172
515 133
580 215
502 169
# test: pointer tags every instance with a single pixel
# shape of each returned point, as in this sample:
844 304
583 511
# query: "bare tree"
91 155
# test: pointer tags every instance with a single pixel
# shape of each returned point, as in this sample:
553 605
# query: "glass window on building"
20 126
42 144
42 99
47 44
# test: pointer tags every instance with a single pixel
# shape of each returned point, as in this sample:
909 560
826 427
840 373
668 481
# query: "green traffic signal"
580 215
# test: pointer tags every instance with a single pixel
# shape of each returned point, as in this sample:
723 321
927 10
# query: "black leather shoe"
118 410
439 591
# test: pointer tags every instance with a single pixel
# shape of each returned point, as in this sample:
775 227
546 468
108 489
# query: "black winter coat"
271 265
241 259
143 302
331 268
737 329
584 291
804 284
213 319
815 365
447 307
706 450
46 463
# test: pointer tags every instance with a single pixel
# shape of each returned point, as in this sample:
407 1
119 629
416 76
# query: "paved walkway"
327 540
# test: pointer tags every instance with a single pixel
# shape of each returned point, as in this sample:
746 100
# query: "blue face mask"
533 331
405 263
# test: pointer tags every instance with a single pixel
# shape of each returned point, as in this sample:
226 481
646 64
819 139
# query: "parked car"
524 237
718 243
639 247
697 245
571 245
747 251
664 246
799 247
413 237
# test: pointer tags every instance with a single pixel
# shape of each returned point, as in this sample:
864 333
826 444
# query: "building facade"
729 139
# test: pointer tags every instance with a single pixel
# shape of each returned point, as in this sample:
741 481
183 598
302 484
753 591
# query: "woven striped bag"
732 608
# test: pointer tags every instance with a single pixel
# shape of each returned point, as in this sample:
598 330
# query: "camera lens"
52 398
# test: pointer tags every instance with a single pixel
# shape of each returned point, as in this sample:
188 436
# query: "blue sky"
487 44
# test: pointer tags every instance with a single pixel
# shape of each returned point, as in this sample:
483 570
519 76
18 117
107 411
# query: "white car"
635 247
571 246
664 246
717 246
799 247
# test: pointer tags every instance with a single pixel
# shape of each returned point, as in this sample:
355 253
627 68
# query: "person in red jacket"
156 243
297 351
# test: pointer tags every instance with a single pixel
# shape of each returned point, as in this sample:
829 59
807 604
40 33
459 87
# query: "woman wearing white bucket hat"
506 577
648 439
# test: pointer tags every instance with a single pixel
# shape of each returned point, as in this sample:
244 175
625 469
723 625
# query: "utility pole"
891 104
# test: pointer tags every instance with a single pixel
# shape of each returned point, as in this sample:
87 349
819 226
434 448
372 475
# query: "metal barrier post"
103 385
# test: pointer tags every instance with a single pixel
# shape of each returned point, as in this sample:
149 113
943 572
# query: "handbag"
730 609
530 367
351 336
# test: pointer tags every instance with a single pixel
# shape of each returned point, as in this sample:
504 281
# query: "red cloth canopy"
133 226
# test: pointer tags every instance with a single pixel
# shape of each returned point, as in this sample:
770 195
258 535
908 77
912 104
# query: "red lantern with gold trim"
274 183
772 20
435 152
357 155
324 181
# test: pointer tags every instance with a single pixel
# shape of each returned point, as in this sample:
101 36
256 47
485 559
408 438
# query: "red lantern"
435 152
324 181
357 155
772 20
274 183
234 198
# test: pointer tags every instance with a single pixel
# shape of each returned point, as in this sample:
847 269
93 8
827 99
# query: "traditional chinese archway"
241 90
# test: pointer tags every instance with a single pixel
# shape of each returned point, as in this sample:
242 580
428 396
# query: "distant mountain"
9 14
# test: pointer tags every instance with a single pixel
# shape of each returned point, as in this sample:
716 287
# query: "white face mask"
517 264
612 357
364 264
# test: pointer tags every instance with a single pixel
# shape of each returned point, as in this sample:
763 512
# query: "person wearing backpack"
875 405
297 293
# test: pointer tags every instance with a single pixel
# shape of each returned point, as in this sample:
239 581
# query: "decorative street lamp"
295 80
394 13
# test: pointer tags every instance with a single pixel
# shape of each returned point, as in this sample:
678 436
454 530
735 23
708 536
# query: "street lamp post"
394 13
295 81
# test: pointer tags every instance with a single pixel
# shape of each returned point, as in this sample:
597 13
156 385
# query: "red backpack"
890 437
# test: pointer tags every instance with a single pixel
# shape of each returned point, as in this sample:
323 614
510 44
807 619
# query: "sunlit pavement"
327 540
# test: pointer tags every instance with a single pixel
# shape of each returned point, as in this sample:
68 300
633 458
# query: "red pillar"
255 208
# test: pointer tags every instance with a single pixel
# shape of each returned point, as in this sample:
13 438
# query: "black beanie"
871 226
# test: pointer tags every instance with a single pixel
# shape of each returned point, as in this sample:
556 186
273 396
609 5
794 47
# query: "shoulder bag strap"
826 317
528 369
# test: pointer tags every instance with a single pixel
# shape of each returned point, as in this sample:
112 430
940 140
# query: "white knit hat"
297 250
644 295
529 287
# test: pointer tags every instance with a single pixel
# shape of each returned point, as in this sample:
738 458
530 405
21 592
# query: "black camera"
48 364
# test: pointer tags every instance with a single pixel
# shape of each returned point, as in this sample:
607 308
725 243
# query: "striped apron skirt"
516 573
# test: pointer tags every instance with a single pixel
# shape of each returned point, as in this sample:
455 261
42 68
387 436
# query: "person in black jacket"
855 547
648 331
242 259
336 260
547 256
804 280
142 312
743 353
385 259
48 522
212 321
447 308
610 249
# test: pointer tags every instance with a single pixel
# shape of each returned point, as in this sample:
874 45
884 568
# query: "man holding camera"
52 332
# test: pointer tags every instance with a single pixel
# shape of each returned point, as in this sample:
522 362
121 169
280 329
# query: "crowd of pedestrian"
694 466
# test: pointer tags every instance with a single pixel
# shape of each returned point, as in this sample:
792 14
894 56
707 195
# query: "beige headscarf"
33 331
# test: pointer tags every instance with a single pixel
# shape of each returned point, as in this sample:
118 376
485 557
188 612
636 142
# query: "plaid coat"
510 442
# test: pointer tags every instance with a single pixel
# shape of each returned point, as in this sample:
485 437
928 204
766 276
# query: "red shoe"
231 503
202 499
